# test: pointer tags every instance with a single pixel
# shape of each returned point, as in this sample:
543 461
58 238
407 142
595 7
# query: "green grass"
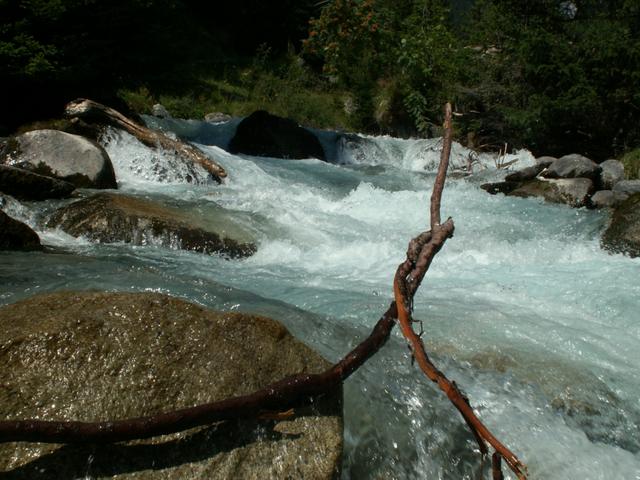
631 162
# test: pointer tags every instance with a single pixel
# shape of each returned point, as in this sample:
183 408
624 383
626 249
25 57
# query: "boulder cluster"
578 181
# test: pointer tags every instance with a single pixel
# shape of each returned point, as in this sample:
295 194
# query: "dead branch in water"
94 112
298 389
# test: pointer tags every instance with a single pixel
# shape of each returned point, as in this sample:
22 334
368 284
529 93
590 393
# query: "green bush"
631 162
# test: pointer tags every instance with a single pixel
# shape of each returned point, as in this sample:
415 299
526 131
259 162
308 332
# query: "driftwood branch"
299 389
94 112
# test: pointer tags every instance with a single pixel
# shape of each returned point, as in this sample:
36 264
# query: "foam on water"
521 307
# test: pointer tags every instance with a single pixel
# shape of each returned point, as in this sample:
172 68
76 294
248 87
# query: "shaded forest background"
553 76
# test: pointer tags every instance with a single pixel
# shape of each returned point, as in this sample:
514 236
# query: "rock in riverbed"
15 235
26 185
91 356
623 233
61 155
110 218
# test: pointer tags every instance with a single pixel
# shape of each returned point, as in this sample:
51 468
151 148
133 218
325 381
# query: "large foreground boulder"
26 185
110 218
99 356
267 135
61 155
15 235
623 233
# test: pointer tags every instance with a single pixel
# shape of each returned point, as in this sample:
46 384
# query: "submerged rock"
109 218
26 185
98 356
623 233
15 235
571 191
61 155
267 135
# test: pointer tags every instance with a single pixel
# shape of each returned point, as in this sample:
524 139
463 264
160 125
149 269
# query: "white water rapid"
538 325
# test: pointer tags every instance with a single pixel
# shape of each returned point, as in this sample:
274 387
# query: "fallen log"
95 113
300 389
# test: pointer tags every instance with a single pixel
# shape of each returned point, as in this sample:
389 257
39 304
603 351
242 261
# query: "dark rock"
109 217
27 185
527 173
61 155
612 172
15 235
545 161
500 187
572 191
607 198
98 356
267 135
623 233
572 166
627 187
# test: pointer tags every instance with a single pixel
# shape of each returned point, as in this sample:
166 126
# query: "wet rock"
159 110
61 155
267 135
15 235
500 187
109 218
572 166
623 233
26 185
607 198
545 161
91 356
217 117
612 172
627 187
527 173
572 191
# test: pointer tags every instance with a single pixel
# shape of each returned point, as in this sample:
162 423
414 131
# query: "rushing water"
537 324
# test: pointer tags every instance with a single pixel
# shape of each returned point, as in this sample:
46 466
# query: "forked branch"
299 389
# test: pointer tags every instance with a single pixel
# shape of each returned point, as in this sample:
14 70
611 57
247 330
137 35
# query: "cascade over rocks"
266 135
15 235
26 185
61 155
623 233
110 217
103 356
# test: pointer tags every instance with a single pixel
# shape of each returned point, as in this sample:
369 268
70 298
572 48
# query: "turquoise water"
537 324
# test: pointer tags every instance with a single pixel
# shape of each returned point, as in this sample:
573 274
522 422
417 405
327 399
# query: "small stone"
158 110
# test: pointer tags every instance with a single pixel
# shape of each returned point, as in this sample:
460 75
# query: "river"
522 308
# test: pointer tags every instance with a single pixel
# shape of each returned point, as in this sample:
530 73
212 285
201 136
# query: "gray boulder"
26 185
61 155
98 356
545 161
15 235
159 110
607 198
627 187
109 218
574 192
623 233
572 166
526 173
612 172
